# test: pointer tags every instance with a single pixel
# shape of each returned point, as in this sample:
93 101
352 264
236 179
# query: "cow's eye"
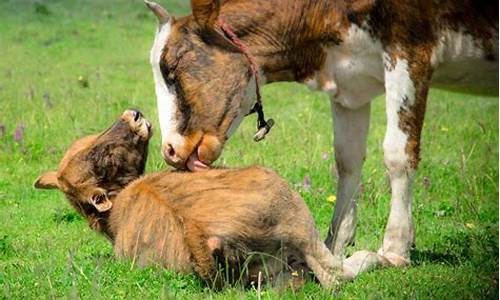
167 73
170 78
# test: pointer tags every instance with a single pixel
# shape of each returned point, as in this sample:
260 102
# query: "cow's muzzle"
195 153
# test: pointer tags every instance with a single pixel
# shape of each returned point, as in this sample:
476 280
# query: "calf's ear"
100 200
47 180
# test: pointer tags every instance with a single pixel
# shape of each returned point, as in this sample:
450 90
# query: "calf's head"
97 167
203 85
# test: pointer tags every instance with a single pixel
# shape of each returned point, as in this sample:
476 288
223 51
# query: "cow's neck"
287 37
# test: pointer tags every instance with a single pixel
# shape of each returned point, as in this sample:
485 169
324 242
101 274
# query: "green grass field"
48 251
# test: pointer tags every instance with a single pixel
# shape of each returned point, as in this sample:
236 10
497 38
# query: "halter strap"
263 126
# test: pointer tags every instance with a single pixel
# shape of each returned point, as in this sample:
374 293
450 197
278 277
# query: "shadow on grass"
479 246
419 257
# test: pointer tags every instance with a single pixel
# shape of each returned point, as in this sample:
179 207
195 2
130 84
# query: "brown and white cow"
354 50
248 220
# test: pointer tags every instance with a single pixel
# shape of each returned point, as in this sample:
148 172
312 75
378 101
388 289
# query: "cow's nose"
171 157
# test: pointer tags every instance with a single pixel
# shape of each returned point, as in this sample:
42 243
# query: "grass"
69 68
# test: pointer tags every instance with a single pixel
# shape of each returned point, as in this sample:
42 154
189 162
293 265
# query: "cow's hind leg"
350 131
407 84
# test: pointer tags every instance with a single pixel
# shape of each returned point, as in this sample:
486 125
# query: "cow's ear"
100 200
206 15
205 12
160 12
47 180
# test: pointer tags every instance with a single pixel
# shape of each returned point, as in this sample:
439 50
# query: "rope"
263 126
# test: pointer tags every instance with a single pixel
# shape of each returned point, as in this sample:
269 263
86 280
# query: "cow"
208 66
245 220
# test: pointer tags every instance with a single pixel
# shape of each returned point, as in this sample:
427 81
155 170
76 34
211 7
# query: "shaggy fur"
243 220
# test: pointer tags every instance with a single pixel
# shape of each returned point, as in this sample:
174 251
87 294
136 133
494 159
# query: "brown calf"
186 221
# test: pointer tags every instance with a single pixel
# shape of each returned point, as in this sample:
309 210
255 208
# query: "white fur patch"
400 94
398 85
165 96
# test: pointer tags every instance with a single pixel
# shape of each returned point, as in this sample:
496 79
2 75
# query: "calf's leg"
202 248
326 267
296 230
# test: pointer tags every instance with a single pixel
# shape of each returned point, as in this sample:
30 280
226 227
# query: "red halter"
263 126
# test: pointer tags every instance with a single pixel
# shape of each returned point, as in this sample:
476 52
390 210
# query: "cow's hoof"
395 260
362 261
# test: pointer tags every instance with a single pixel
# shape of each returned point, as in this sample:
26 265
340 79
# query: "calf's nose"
134 114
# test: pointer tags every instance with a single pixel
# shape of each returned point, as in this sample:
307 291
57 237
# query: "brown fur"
192 221
97 167
175 218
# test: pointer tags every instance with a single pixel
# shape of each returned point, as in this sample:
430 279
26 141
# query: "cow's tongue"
195 164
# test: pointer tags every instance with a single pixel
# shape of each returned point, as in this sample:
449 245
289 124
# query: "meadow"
69 68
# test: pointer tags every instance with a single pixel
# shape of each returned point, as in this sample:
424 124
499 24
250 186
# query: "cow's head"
97 167
203 85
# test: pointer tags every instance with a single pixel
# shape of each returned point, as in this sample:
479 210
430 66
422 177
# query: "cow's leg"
406 93
350 131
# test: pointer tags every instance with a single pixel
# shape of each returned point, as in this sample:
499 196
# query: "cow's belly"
461 65
353 72
477 75
359 77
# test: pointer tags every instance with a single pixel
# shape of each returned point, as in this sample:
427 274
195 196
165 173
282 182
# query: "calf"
187 221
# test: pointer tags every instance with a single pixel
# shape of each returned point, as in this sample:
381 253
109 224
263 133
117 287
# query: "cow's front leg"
407 85
350 131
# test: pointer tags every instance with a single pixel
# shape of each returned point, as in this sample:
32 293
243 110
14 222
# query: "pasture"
69 68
